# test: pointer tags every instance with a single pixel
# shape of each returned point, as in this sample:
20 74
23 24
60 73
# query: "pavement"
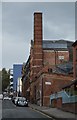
54 113
0 109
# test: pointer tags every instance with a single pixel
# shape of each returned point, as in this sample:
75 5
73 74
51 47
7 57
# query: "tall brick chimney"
37 49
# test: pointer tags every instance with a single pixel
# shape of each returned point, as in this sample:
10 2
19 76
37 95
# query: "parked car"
6 98
16 99
1 96
13 99
22 102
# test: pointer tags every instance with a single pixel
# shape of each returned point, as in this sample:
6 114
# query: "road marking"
41 113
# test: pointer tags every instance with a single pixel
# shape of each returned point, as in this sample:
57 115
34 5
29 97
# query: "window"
50 70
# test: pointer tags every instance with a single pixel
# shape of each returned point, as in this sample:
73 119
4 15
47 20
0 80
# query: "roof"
54 44
74 44
70 84
65 68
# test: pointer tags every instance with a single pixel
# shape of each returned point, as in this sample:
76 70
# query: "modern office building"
17 69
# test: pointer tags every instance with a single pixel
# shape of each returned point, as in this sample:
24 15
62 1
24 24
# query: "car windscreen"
22 99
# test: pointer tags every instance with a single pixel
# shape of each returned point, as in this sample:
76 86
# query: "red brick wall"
59 103
23 89
46 100
37 48
65 54
32 92
54 103
74 62
57 81
52 58
31 63
34 95
25 85
70 107
48 57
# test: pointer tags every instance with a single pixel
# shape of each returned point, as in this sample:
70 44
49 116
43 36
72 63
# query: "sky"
0 35
17 27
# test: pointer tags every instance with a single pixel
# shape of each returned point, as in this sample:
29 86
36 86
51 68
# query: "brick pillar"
59 102
37 48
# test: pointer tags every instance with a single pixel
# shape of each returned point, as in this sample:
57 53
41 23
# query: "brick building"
75 59
66 99
45 55
26 79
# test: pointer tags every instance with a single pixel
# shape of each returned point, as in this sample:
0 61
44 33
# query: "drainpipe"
42 93
55 57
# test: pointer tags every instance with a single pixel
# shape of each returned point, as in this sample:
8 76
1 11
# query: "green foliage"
5 78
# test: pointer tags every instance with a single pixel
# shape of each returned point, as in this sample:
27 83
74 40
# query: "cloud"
17 27
62 31
14 51
0 35
39 0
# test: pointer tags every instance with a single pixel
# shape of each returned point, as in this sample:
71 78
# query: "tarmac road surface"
9 110
0 109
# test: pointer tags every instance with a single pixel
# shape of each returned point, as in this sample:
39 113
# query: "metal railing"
66 98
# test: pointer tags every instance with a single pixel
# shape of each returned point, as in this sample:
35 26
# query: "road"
9 110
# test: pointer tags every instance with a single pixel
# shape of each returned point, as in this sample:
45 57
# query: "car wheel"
17 104
26 105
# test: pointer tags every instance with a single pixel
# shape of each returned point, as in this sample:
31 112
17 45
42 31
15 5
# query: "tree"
5 78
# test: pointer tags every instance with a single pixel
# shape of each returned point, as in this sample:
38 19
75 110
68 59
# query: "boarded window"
61 57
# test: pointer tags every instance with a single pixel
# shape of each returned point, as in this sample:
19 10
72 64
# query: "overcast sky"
17 27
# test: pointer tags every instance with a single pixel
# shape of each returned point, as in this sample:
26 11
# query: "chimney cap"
38 12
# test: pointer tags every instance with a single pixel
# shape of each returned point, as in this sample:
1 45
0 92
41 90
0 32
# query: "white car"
1 96
6 98
22 102
16 99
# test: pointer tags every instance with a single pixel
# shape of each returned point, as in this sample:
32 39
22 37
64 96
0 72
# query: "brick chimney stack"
37 49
